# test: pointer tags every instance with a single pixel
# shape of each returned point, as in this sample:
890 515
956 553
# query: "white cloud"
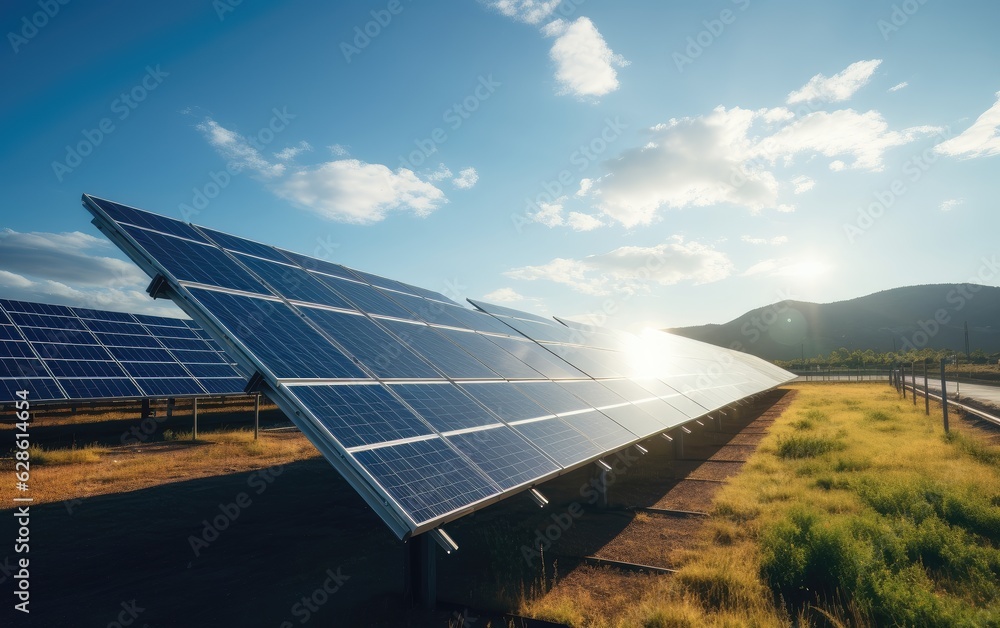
899 86
951 204
693 162
69 268
803 183
633 269
775 241
837 165
838 87
467 178
237 149
503 295
442 173
292 151
982 139
585 65
583 222
529 11
585 185
864 136
785 208
356 192
339 150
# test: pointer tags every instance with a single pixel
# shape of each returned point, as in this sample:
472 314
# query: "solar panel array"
69 353
428 408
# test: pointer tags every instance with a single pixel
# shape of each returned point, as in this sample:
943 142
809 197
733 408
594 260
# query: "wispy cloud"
503 295
899 86
292 152
585 64
633 269
528 11
951 204
237 149
836 88
982 139
803 184
356 192
466 179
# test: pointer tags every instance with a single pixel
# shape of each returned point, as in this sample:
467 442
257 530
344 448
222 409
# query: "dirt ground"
243 548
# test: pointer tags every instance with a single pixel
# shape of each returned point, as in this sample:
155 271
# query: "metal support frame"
194 430
256 416
944 398
420 572
927 393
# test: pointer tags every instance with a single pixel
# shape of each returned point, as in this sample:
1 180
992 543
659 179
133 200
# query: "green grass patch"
802 446
72 455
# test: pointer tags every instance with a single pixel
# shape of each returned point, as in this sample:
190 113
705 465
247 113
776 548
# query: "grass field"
856 510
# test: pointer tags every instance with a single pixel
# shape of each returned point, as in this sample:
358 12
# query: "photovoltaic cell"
486 352
372 346
294 283
506 401
439 351
427 478
100 388
243 245
444 406
283 340
123 213
365 298
504 455
360 414
560 441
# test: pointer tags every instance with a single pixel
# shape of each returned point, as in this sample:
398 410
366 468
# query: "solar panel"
61 353
429 409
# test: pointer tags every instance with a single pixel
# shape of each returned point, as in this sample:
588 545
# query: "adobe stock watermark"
225 7
127 616
370 30
900 15
308 605
453 117
258 481
957 298
582 157
122 107
913 170
697 44
591 492
218 180
33 24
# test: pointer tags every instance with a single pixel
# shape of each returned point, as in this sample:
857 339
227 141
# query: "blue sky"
637 163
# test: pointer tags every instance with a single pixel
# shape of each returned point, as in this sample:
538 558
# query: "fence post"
944 397
913 380
927 394
902 372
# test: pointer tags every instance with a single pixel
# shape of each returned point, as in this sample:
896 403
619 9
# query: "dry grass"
892 524
75 473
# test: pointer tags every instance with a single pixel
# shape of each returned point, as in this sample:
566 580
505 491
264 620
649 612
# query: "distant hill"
902 318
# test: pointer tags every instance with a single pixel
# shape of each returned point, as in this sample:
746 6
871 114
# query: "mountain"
902 318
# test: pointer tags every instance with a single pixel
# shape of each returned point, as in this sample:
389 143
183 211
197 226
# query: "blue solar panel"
100 388
38 389
444 406
84 368
243 245
373 347
82 359
506 402
202 371
15 349
439 351
561 442
538 358
162 387
278 336
427 478
294 283
360 414
122 213
418 448
504 455
9 332
198 263
155 369
366 298
479 347
22 367
318 265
